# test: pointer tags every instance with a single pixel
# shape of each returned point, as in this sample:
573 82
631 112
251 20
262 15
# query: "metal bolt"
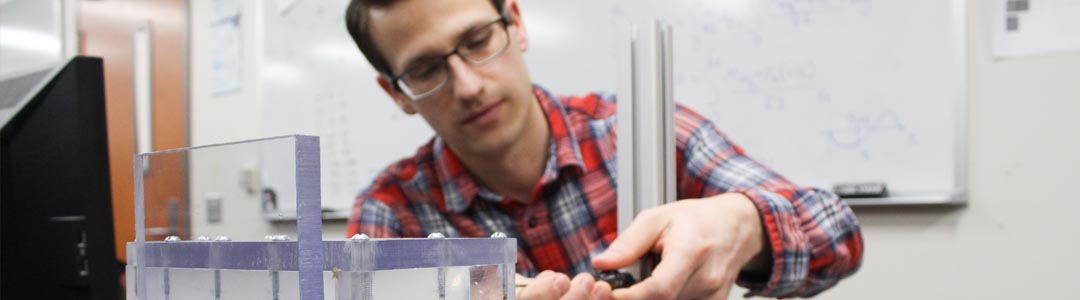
436 235
359 237
172 238
222 238
498 235
202 238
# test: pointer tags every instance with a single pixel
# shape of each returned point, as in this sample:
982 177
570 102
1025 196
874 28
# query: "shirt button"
532 222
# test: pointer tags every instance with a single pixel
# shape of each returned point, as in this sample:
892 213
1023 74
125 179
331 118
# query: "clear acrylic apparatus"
197 238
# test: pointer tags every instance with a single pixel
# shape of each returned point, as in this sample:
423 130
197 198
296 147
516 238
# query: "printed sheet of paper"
1028 27
225 47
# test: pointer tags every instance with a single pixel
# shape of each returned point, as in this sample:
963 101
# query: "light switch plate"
213 208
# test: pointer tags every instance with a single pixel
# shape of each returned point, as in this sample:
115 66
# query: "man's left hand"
703 244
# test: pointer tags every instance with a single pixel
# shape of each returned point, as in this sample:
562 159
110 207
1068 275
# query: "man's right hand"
550 285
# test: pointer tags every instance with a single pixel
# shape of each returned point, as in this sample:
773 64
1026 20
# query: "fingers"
551 285
722 293
580 288
677 263
631 244
708 282
548 285
601 291
666 281
698 257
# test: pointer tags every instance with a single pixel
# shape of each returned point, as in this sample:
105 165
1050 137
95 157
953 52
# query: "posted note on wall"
1028 27
225 47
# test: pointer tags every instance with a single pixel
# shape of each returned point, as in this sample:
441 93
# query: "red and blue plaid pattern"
814 237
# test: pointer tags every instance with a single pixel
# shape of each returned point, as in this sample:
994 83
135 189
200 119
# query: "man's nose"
467 83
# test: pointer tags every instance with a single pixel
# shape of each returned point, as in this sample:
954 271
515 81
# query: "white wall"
1015 240
31 36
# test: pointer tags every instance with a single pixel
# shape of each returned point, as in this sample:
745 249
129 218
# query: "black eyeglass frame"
395 80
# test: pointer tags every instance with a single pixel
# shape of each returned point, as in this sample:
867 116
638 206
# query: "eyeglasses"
479 46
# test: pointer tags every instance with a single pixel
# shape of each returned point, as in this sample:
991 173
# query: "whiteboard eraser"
861 190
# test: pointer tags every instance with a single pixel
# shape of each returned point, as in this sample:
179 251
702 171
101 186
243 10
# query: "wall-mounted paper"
1027 27
225 47
225 56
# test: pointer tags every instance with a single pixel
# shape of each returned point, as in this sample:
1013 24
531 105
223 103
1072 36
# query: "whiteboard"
313 80
822 91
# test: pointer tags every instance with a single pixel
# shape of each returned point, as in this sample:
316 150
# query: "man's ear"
514 14
399 98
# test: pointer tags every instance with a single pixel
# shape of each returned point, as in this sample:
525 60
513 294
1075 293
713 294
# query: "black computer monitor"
56 226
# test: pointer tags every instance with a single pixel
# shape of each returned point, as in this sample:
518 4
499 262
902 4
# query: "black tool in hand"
617 279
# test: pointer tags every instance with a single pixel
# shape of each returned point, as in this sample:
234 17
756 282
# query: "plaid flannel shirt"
814 237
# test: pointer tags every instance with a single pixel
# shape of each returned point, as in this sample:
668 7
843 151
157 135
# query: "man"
510 157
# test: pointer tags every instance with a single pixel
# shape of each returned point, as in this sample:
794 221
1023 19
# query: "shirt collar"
459 187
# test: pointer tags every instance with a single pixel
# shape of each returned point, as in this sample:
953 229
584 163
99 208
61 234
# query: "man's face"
482 109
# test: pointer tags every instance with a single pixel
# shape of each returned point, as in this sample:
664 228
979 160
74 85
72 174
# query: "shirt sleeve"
373 218
814 236
372 215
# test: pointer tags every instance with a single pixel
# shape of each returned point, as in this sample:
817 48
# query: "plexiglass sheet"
357 269
462 283
204 230
241 189
211 199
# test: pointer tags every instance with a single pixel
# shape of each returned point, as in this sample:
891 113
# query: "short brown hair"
357 16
